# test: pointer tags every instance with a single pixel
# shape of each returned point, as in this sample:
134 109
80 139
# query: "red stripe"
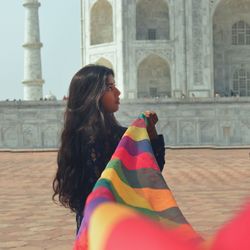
144 160
140 123
100 192
81 243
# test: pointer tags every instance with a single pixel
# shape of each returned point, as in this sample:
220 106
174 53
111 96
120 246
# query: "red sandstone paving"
209 186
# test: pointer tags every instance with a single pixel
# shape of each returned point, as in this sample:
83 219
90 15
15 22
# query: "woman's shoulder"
121 130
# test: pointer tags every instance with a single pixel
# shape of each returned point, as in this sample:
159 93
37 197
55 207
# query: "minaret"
33 82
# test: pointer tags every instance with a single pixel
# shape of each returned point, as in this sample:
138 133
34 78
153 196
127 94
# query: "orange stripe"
159 199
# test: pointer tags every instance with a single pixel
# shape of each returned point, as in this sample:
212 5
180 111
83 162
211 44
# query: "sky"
60 54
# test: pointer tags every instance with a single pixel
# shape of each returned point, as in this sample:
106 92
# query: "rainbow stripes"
131 206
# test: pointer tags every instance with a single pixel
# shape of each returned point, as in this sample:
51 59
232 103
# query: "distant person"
90 136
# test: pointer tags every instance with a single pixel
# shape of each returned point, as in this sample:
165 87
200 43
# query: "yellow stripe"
137 134
128 194
103 220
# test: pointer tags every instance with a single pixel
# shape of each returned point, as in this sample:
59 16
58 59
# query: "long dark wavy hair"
84 120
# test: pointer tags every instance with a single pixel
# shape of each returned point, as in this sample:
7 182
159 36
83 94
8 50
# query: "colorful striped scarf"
131 185
131 190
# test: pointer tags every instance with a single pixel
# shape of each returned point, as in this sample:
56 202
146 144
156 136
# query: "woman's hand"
153 119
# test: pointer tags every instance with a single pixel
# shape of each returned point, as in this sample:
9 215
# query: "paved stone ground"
209 186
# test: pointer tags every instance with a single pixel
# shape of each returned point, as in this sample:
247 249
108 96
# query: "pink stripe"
143 233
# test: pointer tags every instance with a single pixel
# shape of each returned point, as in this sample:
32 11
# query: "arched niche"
152 20
101 23
153 78
105 62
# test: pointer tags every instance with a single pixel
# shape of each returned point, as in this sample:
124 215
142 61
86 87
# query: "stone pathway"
209 186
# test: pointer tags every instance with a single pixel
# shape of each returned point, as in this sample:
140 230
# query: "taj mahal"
160 48
187 59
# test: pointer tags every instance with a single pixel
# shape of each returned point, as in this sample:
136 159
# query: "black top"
98 154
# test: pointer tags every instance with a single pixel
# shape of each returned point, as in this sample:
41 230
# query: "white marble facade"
171 48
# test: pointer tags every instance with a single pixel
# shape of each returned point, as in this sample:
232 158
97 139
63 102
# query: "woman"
90 136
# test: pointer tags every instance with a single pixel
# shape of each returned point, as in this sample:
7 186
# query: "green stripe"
140 178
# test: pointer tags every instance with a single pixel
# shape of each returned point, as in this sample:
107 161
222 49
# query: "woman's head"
92 89
93 98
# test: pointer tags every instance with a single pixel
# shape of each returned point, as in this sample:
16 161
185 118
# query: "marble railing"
192 122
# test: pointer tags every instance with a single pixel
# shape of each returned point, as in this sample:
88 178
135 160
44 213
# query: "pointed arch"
231 41
153 77
105 62
101 23
152 20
